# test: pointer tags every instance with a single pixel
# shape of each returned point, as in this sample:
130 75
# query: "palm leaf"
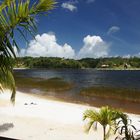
17 15
105 116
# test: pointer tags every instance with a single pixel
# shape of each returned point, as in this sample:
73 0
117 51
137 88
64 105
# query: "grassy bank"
112 92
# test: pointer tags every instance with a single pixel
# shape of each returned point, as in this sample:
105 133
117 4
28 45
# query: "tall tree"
19 16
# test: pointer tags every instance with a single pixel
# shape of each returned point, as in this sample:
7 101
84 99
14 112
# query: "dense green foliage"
44 62
101 63
17 16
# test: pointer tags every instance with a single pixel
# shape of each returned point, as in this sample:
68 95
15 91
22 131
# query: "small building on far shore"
126 66
104 66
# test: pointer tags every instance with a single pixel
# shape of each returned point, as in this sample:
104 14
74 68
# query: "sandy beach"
35 118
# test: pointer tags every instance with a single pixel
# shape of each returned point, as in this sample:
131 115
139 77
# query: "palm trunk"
126 133
104 129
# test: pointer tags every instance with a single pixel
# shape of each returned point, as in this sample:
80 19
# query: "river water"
88 77
83 78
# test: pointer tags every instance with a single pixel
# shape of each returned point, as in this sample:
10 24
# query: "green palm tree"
125 129
106 117
17 16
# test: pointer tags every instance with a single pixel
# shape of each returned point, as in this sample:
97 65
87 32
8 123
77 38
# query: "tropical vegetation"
106 117
112 121
126 130
98 63
17 16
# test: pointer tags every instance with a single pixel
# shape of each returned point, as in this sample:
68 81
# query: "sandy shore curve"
34 118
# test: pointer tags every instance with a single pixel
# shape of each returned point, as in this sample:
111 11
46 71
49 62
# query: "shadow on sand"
6 127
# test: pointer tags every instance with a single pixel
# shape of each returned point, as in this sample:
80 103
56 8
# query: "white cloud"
94 47
113 29
46 45
90 1
131 55
69 5
137 55
126 56
16 50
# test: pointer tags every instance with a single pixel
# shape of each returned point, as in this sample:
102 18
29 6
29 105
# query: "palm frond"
17 15
106 116
7 82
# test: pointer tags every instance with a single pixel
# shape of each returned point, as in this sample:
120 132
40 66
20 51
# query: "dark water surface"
83 78
88 77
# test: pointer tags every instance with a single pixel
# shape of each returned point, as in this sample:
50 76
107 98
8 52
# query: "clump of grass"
112 92
52 84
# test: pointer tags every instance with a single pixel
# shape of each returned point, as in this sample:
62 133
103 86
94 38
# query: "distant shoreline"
104 69
20 68
111 63
131 69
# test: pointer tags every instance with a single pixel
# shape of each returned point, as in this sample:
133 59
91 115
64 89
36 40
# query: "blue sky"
116 23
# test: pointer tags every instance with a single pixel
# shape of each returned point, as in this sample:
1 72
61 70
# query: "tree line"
55 62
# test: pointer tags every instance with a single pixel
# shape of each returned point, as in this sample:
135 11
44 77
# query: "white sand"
47 120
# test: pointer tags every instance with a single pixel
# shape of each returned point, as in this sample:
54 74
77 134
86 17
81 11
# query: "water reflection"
88 77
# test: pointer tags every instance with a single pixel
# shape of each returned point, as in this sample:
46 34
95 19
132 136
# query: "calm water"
88 77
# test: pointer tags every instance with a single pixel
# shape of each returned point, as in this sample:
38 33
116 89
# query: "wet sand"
124 105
